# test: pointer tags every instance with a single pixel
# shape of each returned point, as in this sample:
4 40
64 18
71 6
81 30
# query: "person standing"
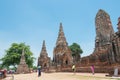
92 69
39 71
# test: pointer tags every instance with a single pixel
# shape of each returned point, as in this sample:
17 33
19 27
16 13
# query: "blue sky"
32 21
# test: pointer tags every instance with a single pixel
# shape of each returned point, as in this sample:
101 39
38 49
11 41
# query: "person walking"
73 68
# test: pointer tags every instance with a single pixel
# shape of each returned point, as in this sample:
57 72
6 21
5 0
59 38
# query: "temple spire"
22 67
62 53
61 28
23 53
43 50
104 29
43 46
43 59
61 37
22 60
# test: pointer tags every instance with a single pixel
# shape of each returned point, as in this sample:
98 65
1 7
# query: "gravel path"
59 76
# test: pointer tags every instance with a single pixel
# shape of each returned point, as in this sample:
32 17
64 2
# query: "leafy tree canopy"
13 55
76 51
75 48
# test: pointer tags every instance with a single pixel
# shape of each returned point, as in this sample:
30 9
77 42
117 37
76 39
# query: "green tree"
13 55
76 52
0 66
34 67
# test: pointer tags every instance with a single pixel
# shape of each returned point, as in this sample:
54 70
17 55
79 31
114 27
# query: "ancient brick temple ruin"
44 60
62 54
106 55
103 54
115 60
22 67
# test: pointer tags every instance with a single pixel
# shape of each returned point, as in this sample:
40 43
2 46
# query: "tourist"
39 71
73 68
92 69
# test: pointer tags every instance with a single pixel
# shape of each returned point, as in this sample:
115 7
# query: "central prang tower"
62 54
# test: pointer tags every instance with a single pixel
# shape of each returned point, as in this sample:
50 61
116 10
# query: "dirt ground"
59 76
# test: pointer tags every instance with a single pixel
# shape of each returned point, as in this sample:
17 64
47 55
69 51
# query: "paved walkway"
60 76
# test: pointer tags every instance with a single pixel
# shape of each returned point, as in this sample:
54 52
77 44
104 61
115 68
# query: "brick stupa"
43 59
22 67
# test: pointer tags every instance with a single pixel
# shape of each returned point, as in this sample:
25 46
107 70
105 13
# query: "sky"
32 21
